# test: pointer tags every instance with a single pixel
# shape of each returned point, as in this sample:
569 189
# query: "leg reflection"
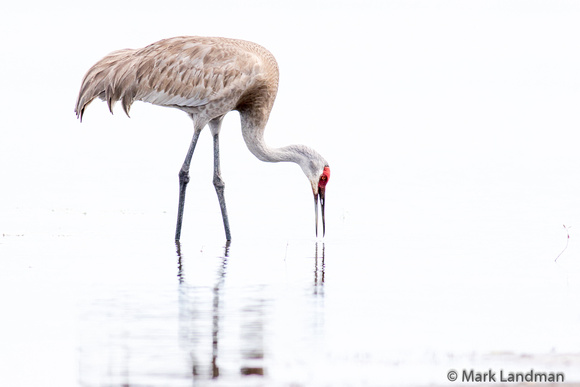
216 311
196 311
179 263
252 335
223 328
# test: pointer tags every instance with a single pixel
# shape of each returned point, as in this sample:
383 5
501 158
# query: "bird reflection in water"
223 329
216 326
200 310
319 271
196 311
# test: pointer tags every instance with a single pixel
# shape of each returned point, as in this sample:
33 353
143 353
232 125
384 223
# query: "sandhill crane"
206 78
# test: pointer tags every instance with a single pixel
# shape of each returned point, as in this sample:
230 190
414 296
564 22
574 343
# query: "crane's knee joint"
218 182
183 177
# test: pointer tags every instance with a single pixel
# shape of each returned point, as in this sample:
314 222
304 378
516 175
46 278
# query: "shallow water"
205 322
212 319
111 311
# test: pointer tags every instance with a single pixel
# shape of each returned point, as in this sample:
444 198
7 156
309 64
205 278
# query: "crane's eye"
324 177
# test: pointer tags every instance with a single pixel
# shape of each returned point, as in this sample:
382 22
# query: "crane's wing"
181 72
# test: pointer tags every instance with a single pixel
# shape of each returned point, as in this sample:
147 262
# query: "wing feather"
184 72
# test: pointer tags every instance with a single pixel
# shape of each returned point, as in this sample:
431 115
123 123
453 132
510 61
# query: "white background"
451 129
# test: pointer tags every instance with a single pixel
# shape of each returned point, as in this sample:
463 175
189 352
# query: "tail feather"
110 79
127 100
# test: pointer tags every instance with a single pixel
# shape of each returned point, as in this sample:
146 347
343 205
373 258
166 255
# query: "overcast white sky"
399 96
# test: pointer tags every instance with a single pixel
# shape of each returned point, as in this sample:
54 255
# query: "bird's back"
203 76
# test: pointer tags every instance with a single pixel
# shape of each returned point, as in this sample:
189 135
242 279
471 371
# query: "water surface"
111 311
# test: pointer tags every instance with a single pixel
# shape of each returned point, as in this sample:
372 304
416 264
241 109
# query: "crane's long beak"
319 195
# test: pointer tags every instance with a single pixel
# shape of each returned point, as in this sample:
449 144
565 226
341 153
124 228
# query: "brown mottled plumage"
206 78
192 74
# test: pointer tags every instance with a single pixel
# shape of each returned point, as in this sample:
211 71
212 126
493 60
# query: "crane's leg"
183 180
218 183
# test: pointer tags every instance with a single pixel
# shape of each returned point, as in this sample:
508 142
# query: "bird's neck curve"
253 133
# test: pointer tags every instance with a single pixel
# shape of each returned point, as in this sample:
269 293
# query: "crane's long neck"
253 133
311 162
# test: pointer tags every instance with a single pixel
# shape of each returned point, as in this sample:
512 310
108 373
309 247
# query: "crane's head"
318 182
316 169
